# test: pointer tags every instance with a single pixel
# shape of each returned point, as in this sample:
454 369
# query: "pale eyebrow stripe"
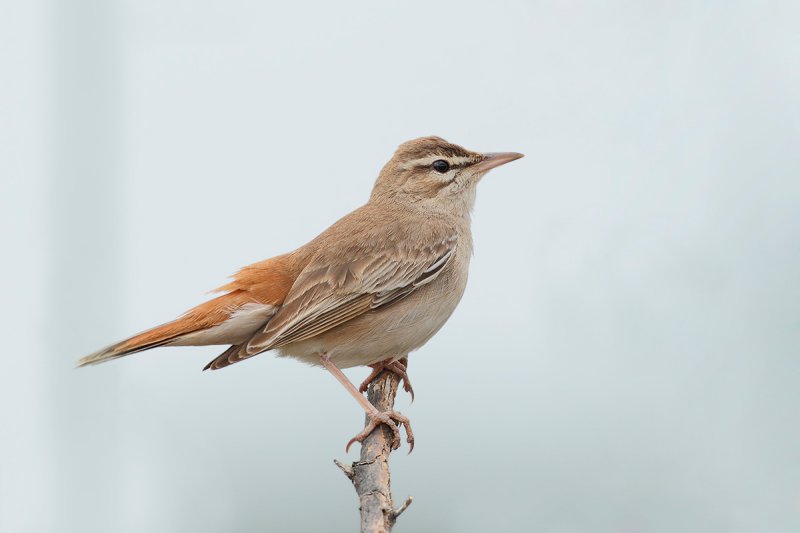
425 161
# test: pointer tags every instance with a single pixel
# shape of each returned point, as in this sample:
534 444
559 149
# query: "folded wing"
330 292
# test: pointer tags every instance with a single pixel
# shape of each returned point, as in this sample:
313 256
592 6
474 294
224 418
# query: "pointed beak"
492 160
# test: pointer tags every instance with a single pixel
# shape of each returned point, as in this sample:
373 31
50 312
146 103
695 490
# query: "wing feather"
322 322
327 295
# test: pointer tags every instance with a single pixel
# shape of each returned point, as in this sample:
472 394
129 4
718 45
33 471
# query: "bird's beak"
492 160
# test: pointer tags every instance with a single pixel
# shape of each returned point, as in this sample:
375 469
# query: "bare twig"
347 469
397 512
370 475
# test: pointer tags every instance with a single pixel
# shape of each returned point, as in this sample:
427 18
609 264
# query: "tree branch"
370 476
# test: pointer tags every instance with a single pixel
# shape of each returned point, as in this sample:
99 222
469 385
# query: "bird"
373 287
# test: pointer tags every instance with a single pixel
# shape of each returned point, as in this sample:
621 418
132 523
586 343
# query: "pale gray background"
625 358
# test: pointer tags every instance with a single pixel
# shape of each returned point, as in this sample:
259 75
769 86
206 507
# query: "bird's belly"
393 331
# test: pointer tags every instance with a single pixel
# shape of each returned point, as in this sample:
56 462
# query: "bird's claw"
393 419
392 366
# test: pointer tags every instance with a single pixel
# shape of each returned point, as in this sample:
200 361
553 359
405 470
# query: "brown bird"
374 286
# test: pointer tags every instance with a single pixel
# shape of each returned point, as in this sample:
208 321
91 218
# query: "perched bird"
374 286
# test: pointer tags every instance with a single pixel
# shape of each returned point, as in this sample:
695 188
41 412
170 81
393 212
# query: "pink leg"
390 418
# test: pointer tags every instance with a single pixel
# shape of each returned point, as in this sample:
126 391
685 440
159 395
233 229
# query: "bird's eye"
440 165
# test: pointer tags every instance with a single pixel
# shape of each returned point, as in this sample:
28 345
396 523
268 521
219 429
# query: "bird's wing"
327 295
329 292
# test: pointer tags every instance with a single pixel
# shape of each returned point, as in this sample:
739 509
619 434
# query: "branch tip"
397 512
346 469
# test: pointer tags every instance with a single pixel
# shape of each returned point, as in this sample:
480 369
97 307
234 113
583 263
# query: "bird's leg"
390 418
398 367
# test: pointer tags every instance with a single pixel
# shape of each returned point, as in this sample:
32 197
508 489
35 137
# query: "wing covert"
328 295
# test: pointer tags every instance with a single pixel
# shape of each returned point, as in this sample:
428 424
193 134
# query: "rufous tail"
201 318
152 338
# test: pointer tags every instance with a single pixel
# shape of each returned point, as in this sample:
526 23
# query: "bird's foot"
392 366
394 420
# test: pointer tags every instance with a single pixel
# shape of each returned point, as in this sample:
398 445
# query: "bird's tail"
236 313
159 336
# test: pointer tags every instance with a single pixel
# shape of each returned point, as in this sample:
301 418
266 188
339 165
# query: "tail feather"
129 346
249 303
228 319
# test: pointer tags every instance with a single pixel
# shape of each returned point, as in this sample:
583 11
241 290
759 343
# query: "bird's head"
430 170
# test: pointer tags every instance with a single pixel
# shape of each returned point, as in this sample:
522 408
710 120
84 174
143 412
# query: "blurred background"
625 358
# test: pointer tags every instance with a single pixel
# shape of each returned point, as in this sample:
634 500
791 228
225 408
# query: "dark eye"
440 165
